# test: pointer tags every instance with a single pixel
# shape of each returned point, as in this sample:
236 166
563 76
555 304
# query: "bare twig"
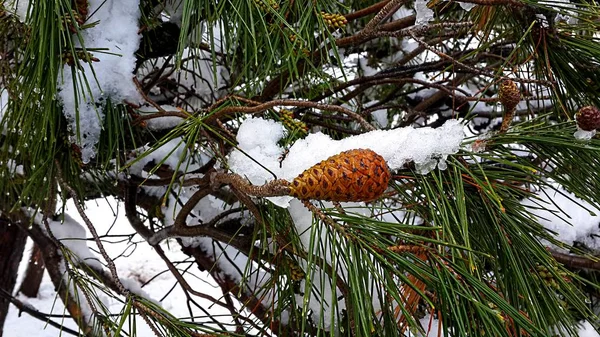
289 102
92 229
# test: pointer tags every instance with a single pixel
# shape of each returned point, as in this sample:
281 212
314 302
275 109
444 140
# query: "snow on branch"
73 236
84 93
428 148
572 219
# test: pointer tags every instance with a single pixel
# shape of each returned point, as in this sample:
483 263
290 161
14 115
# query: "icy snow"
320 302
3 102
583 134
162 122
173 154
381 117
426 147
19 8
3 106
117 31
587 330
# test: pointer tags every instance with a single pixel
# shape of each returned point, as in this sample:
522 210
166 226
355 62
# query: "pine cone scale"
355 175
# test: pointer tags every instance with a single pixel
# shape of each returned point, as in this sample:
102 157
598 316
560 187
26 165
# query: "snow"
72 234
381 117
467 6
431 327
320 300
3 106
14 168
3 103
173 154
19 8
111 77
174 10
580 221
198 74
424 14
587 330
584 135
426 147
263 149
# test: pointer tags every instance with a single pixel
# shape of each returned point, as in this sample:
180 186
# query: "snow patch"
73 236
424 13
583 134
576 225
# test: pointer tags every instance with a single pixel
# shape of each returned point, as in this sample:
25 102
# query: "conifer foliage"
306 168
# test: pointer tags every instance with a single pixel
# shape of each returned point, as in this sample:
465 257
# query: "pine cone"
354 175
509 94
588 118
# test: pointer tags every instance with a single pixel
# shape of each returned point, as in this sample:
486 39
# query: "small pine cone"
68 59
85 56
286 114
334 20
354 175
588 118
294 125
509 94
301 127
296 272
266 5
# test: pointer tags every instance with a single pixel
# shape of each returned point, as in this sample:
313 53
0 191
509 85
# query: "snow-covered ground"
135 261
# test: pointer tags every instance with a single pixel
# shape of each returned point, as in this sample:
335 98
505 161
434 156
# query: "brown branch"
289 102
575 261
277 187
366 11
383 14
492 2
53 260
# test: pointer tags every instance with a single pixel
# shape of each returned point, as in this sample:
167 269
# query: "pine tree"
355 168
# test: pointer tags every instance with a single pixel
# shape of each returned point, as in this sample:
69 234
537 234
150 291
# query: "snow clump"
111 77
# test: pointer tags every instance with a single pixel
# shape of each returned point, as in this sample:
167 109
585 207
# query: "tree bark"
34 273
12 244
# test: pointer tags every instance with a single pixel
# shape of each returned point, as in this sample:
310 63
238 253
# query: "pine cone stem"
507 119
278 187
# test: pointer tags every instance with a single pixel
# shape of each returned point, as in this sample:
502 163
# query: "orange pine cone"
354 175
